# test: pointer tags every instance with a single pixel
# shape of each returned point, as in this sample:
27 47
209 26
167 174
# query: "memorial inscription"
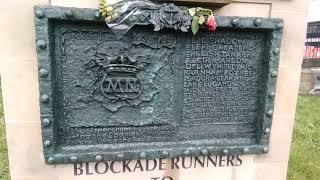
154 94
221 76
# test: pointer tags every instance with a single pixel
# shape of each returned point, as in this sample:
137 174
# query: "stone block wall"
306 81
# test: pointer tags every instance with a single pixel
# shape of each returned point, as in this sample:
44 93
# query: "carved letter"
184 163
96 167
239 160
221 160
230 160
77 170
154 165
126 166
138 166
161 163
198 161
87 169
174 164
112 167
214 162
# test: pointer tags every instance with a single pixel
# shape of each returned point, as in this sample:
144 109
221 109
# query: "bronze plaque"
154 94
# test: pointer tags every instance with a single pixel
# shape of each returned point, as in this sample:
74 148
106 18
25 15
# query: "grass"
304 163
4 163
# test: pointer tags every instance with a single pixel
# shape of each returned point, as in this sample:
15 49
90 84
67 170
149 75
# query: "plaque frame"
44 14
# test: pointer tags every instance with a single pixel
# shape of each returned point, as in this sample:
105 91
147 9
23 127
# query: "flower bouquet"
121 15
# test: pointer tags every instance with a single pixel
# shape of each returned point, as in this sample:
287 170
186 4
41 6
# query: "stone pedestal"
19 76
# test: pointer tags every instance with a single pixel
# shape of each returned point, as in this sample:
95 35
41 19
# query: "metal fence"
311 58
312 44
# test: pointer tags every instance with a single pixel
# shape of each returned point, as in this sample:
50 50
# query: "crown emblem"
121 74
121 65
119 81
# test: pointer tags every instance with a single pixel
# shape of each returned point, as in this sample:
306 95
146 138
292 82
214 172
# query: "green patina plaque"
153 94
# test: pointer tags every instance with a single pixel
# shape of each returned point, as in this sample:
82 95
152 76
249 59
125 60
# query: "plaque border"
44 13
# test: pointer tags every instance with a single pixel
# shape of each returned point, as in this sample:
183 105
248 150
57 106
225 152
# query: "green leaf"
192 11
201 20
195 25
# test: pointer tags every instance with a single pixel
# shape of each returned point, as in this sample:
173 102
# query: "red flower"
211 23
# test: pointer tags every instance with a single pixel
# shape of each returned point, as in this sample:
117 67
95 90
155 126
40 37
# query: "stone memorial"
165 100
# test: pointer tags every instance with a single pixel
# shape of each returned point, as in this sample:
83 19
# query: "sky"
314 10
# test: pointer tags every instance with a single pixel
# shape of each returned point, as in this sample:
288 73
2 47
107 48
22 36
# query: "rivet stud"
225 152
120 156
204 152
276 51
280 25
186 152
143 155
50 160
274 74
99 157
267 130
272 94
97 15
73 159
45 98
43 73
257 22
235 22
46 122
42 44
68 13
269 113
245 150
165 154
47 143
39 14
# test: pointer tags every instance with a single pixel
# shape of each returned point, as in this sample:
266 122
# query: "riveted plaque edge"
43 14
